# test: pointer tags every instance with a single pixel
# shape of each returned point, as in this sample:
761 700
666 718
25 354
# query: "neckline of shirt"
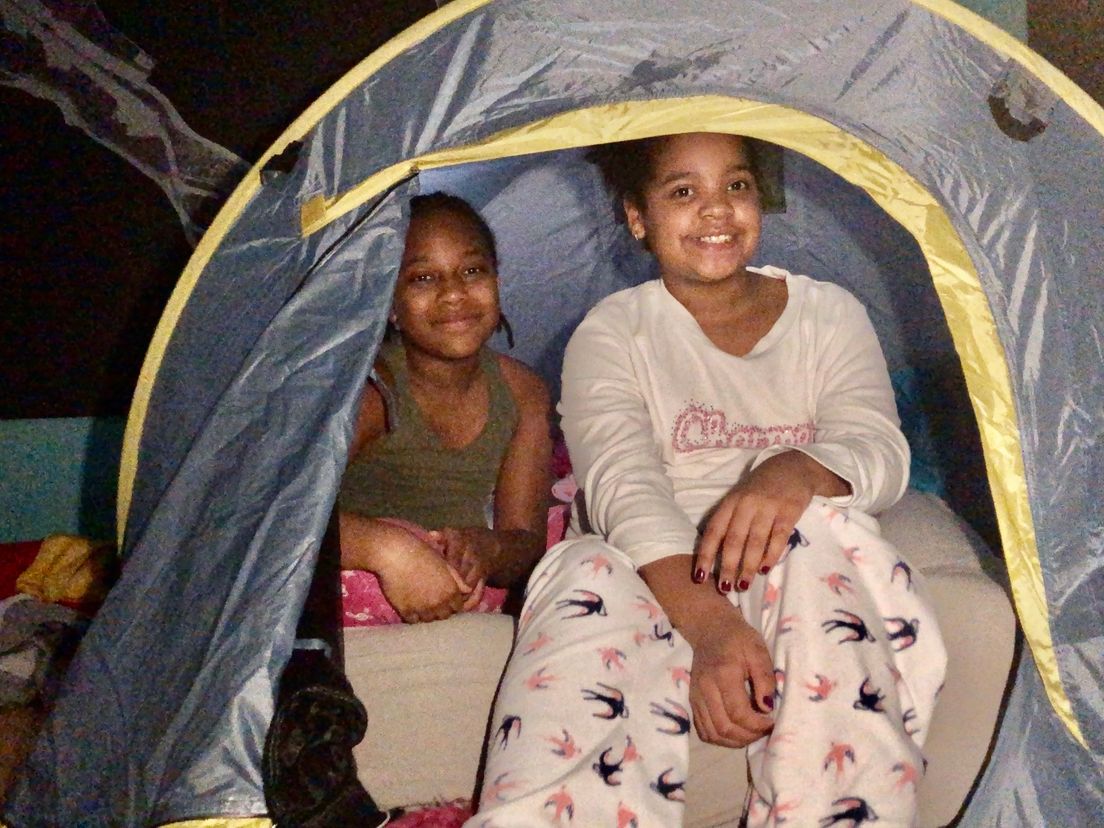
794 292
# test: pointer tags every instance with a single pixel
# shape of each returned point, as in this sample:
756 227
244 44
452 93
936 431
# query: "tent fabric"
243 415
67 53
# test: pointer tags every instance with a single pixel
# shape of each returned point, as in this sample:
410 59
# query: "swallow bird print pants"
591 724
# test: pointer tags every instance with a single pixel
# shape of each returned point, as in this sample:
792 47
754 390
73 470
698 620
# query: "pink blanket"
365 605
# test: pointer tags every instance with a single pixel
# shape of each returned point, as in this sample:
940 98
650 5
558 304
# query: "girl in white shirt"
730 428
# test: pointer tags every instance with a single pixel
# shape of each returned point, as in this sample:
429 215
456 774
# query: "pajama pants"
591 723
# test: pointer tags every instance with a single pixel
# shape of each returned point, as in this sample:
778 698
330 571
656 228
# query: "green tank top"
408 473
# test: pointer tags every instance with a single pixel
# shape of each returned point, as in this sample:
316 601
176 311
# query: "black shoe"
310 778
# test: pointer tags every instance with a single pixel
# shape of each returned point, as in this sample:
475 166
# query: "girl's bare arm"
506 553
732 676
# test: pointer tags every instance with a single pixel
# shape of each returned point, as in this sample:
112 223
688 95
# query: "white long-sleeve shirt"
660 423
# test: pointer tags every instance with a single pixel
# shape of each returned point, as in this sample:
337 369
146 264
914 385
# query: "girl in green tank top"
446 487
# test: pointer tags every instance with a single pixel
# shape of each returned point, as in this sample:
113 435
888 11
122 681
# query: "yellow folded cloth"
70 568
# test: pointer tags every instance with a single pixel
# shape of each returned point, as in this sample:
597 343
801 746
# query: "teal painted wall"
59 475
1010 15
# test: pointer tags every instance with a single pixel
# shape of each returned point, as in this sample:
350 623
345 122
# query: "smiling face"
446 298
699 210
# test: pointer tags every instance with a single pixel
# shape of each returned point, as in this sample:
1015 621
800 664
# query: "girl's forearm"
508 555
825 482
518 551
366 543
693 609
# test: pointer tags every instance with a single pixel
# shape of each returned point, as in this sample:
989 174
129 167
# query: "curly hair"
423 205
626 166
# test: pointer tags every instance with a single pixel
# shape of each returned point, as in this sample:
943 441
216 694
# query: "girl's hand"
417 581
460 548
732 676
753 522
731 684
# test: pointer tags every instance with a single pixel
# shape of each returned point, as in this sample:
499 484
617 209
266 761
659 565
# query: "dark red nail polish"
768 702
763 570
726 586
743 585
699 576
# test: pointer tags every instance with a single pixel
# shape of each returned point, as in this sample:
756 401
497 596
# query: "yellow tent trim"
955 279
978 26
1002 42
985 31
902 197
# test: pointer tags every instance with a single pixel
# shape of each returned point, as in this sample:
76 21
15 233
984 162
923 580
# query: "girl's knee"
586 587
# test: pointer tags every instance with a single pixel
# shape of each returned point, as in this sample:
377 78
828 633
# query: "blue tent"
950 173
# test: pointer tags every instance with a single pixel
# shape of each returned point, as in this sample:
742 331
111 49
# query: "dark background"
91 248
